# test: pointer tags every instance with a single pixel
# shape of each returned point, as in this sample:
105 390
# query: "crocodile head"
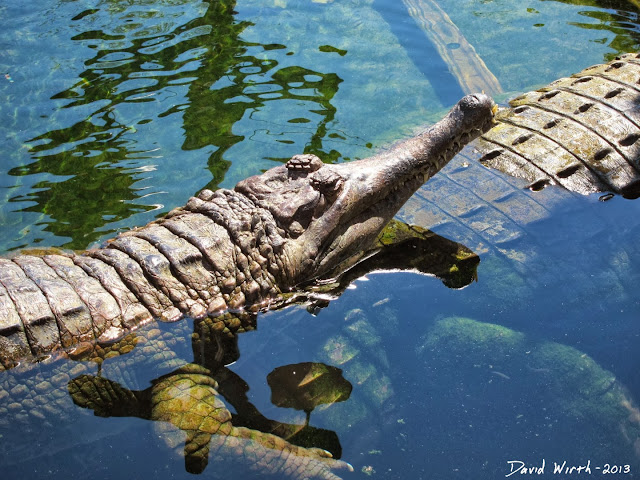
328 215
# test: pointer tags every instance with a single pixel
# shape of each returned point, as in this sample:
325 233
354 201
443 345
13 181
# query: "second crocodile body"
580 133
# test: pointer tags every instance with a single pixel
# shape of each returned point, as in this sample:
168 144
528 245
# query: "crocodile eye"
327 182
306 162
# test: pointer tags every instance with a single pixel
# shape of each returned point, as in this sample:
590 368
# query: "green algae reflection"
160 93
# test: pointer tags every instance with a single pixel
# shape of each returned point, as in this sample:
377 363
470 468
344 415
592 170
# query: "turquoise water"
115 112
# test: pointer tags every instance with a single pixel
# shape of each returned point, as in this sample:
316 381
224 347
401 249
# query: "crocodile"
225 250
580 133
304 221
298 233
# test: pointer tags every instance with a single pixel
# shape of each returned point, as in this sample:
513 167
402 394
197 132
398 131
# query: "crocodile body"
243 248
580 133
225 250
220 260
176 376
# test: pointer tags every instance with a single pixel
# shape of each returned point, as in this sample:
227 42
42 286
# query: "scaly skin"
225 250
40 399
250 249
188 413
185 406
580 133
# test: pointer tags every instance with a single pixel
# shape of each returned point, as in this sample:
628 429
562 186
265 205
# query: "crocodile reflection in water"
188 398
187 409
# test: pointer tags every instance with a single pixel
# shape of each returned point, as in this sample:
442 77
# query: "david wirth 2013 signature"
518 467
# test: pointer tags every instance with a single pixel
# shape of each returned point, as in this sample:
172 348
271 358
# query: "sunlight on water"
115 112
